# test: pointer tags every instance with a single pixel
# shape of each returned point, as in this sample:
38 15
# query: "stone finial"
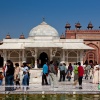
22 36
43 19
90 26
8 36
68 26
78 25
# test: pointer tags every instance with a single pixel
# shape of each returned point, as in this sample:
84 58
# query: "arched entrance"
1 61
92 55
42 58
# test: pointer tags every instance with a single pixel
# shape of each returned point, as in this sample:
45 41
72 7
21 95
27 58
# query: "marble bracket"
54 50
33 52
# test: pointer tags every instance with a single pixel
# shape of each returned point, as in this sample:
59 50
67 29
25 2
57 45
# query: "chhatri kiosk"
42 44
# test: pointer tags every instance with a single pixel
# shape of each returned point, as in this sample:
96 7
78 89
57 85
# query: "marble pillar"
63 55
5 56
35 55
51 54
81 57
23 56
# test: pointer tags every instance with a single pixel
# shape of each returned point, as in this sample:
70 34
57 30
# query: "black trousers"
28 79
62 74
44 78
80 80
17 83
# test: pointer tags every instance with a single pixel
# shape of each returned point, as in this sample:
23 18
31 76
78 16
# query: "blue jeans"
0 82
9 81
24 81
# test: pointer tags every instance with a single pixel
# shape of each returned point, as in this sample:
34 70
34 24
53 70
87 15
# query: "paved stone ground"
63 87
67 87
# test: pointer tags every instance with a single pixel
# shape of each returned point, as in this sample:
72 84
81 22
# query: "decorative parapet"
83 31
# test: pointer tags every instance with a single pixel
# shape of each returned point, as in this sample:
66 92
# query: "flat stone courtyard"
65 87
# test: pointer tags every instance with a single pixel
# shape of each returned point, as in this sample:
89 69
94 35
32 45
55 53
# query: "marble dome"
43 29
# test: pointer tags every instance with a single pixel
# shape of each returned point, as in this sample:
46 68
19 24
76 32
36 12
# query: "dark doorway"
43 57
1 61
91 61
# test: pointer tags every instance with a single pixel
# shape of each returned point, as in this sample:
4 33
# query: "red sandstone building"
91 38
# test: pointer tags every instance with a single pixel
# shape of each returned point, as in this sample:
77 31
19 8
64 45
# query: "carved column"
5 56
67 58
34 54
23 56
81 57
63 55
20 60
35 58
51 54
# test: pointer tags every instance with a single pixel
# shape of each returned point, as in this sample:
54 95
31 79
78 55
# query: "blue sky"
17 16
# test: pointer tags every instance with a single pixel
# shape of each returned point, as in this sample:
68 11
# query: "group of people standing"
12 75
64 73
51 71
67 72
92 71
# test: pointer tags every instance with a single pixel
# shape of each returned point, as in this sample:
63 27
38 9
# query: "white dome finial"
43 19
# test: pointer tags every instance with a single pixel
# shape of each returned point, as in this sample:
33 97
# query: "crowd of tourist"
11 74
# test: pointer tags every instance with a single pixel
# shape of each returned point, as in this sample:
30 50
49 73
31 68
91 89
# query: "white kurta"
96 74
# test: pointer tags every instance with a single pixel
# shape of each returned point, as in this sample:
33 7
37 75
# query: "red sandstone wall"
91 38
